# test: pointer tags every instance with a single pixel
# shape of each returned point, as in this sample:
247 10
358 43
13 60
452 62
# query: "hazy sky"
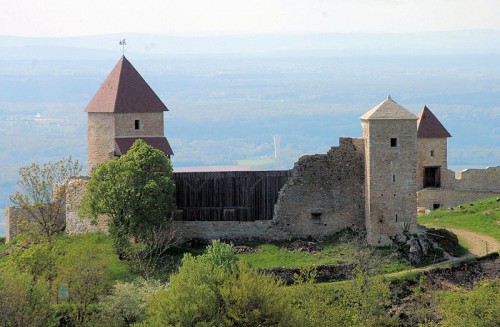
205 17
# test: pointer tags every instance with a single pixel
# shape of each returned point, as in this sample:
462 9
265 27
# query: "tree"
193 297
82 275
126 304
43 194
253 299
136 192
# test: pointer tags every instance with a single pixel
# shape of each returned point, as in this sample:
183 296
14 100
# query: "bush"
478 307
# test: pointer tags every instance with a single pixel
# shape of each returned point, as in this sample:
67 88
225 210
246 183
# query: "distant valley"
226 106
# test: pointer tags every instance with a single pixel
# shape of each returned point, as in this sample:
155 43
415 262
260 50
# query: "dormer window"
394 142
137 124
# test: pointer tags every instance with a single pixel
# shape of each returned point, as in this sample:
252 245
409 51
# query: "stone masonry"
325 193
364 183
390 134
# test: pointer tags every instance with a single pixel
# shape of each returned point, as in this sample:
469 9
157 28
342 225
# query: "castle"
374 183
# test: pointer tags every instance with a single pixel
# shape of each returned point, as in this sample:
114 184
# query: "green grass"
332 252
7 245
482 217
102 246
272 255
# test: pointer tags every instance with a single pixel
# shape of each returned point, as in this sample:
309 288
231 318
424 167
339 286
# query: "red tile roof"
123 144
428 126
124 90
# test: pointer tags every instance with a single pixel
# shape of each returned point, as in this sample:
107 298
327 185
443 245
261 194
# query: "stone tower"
124 109
432 169
390 134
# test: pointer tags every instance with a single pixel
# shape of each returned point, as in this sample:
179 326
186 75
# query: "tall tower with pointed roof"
124 109
390 134
432 169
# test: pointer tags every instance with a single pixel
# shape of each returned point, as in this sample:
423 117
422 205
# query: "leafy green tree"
42 195
193 297
251 298
83 281
23 302
136 192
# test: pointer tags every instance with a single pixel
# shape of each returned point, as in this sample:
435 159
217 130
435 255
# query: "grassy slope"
96 244
482 217
272 255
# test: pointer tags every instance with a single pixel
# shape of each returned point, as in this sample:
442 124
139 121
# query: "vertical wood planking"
223 196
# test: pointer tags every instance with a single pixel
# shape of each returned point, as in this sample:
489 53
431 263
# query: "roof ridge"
120 72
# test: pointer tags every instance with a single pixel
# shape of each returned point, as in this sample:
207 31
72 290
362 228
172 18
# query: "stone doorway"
432 177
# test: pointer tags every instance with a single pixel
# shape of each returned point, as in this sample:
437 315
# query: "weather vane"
123 44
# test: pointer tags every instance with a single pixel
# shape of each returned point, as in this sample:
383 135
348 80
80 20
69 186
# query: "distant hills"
337 44
228 96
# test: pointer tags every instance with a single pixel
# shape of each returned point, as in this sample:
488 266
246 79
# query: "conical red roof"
124 90
428 126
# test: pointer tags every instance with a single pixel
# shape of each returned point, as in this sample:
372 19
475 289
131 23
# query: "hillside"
482 217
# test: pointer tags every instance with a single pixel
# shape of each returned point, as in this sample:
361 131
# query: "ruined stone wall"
470 185
101 134
324 194
150 124
445 198
19 220
478 179
432 152
12 216
74 223
391 178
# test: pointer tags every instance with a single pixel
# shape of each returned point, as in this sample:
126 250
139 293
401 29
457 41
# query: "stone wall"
432 152
150 124
101 134
470 185
445 198
478 179
238 231
324 194
74 223
18 220
12 216
391 178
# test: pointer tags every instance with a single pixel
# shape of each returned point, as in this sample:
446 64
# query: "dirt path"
478 244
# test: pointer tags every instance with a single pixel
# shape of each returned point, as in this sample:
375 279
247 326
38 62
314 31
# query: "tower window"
393 178
137 124
394 142
432 153
396 218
